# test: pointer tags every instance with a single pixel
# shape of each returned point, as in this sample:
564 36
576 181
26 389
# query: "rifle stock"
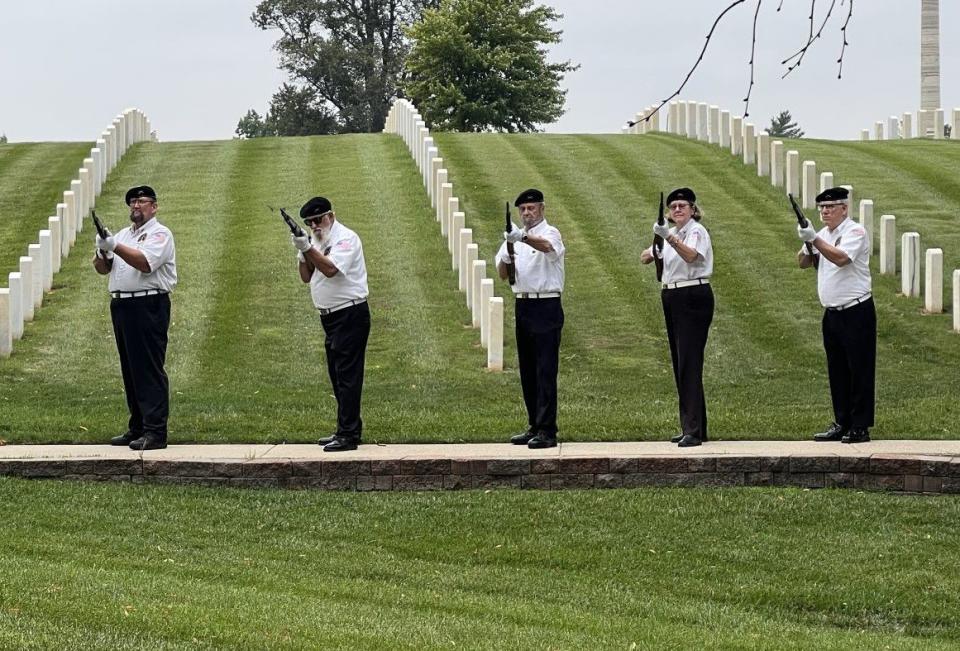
801 219
658 243
511 267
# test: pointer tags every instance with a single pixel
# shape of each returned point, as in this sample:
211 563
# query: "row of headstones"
929 124
700 121
25 291
486 310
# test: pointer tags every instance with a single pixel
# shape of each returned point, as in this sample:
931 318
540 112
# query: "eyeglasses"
140 202
316 219
679 205
829 206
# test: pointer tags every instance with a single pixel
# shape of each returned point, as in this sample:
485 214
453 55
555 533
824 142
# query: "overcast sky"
196 66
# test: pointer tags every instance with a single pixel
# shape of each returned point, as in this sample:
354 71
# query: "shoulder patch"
859 230
344 245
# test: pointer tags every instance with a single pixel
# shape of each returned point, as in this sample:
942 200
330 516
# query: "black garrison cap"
683 194
833 194
529 196
140 191
314 207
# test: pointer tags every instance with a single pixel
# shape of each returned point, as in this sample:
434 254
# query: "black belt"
526 295
846 306
328 310
139 292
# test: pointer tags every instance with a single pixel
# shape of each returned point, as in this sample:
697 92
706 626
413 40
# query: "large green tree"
349 52
477 65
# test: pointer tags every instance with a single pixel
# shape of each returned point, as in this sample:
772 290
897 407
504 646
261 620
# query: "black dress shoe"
327 439
677 438
148 442
858 435
542 440
834 433
125 439
688 441
523 437
342 444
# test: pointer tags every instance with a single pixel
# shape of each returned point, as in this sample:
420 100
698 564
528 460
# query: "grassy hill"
33 177
245 355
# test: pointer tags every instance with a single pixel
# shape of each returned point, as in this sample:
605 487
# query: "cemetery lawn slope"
246 353
92 566
33 178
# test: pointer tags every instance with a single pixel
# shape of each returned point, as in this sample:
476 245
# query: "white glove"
302 243
806 233
106 245
504 257
661 230
514 235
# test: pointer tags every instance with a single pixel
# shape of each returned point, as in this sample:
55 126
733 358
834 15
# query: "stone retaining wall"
916 474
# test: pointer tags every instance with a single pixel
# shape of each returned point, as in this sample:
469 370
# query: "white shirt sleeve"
553 236
157 248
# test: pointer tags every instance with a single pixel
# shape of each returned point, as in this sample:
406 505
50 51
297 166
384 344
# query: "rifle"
101 230
658 243
802 220
294 226
511 268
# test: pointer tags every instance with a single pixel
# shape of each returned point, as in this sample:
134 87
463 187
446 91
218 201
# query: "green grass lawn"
93 566
246 360
33 178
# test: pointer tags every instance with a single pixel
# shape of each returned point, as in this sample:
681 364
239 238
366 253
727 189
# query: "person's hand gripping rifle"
104 240
805 230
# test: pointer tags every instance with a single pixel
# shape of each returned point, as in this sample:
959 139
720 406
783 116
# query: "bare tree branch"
753 51
843 30
810 40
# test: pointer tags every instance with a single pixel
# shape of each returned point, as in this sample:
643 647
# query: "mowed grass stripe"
33 177
231 568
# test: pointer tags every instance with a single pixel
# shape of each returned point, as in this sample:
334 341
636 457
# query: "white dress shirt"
538 272
155 241
840 285
675 268
343 247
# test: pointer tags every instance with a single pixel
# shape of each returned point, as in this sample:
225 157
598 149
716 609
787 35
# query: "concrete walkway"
899 465
241 452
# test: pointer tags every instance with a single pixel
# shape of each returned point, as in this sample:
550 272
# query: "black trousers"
140 327
347 331
688 312
850 341
539 324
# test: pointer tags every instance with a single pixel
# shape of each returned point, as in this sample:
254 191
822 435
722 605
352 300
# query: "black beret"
833 194
139 192
314 207
529 196
684 194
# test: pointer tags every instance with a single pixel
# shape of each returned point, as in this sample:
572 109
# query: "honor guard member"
841 255
142 263
687 307
538 261
332 263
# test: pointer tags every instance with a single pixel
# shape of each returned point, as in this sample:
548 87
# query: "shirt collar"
146 226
